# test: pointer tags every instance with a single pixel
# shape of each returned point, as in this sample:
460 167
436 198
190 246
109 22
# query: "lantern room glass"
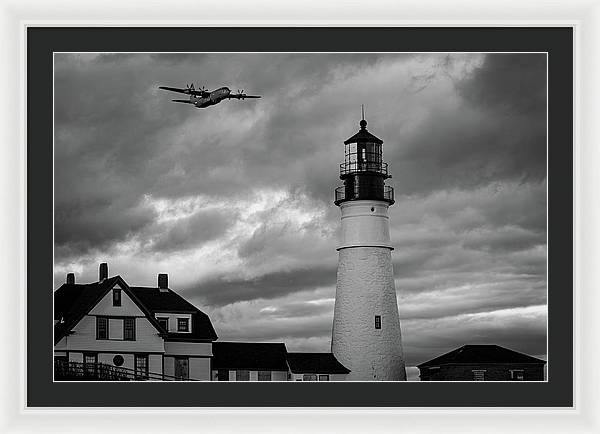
363 157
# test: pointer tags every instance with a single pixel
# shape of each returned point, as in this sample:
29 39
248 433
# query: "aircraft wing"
241 96
186 91
186 101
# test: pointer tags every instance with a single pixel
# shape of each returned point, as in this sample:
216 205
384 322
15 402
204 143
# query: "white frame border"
584 15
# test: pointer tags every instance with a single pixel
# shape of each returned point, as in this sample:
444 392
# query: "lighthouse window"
377 321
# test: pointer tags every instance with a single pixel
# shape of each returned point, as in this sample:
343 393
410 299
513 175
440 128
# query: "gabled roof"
481 354
168 301
315 363
249 355
73 301
162 301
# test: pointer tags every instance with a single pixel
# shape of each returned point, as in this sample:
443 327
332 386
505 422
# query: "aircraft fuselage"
215 97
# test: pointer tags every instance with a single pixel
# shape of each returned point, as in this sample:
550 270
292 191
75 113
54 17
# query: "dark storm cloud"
83 224
497 132
222 290
509 82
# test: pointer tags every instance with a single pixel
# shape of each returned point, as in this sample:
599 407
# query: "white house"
130 332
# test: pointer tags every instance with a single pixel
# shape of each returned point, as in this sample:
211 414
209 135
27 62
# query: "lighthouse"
366 335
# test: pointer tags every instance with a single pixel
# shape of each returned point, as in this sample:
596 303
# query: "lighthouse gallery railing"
360 192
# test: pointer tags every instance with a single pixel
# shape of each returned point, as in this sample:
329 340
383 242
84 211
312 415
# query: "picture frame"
443 414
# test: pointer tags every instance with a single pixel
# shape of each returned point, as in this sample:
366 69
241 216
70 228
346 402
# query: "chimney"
103 272
163 282
71 279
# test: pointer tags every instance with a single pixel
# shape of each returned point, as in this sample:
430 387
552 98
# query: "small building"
482 363
316 367
249 361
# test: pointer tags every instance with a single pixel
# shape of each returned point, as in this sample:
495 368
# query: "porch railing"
76 371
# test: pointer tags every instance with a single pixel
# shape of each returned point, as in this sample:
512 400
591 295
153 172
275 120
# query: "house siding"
115 328
199 368
189 348
279 375
155 364
127 308
169 366
83 338
76 357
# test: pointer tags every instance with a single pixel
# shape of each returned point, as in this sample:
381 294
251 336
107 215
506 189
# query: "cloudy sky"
235 201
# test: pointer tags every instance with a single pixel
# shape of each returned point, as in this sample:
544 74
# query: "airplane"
203 98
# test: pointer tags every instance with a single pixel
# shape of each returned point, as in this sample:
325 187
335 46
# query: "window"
264 375
141 367
164 323
309 377
517 375
129 329
479 375
324 377
117 297
242 375
61 359
89 364
182 370
101 327
223 375
378 321
183 324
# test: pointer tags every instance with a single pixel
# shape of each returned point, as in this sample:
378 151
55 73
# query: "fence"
75 371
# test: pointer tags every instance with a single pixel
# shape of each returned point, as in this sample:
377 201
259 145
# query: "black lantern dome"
363 171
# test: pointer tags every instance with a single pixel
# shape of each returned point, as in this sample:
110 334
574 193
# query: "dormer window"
183 324
117 297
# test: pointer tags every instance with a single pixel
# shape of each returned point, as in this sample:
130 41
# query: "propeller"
241 93
190 87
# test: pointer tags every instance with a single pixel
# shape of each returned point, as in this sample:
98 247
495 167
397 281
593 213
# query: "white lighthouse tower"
366 334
